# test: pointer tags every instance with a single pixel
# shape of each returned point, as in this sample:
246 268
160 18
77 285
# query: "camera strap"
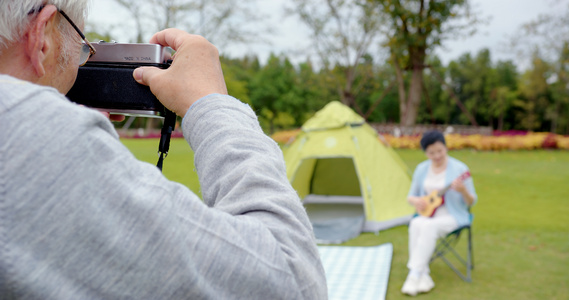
166 133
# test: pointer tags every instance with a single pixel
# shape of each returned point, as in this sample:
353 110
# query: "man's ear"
39 38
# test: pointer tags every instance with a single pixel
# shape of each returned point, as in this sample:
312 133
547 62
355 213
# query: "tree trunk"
348 97
414 99
400 88
555 118
350 100
409 102
345 93
428 100
501 121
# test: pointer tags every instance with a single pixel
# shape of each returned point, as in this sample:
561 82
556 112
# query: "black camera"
105 82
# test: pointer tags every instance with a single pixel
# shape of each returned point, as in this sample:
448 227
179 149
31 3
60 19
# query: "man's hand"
194 73
114 118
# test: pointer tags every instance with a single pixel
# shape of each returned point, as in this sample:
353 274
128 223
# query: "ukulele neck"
443 191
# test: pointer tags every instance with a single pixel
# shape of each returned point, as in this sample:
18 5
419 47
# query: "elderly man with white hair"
81 218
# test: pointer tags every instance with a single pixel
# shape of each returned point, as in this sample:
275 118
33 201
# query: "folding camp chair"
447 245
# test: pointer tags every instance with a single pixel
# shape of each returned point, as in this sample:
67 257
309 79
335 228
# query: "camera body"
106 83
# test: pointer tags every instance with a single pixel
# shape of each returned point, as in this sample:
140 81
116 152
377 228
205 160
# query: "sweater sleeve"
83 219
469 183
458 169
242 173
418 178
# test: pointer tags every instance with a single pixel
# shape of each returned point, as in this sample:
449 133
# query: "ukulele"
437 198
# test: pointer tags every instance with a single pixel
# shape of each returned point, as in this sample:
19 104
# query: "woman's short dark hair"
431 137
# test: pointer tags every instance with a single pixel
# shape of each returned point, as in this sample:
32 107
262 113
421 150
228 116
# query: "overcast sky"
506 18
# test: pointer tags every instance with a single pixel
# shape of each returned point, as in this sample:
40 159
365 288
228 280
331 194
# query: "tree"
550 30
96 36
504 94
272 90
342 32
438 106
135 9
472 80
547 29
312 92
535 95
238 73
222 22
417 27
558 113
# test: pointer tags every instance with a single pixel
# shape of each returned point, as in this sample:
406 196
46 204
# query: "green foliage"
285 95
273 89
473 80
422 24
544 40
93 36
346 35
535 94
436 106
238 74
558 113
504 94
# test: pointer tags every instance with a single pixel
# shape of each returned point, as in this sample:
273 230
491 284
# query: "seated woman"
439 171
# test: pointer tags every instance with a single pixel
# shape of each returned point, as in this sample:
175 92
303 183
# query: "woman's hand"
458 186
417 202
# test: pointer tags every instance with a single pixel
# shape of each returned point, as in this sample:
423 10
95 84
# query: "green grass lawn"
520 229
178 165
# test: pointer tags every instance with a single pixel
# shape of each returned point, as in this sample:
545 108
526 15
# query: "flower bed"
500 141
529 141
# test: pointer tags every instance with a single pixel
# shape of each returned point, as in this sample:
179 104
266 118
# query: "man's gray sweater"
82 218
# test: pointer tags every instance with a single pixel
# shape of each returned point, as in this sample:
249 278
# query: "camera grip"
114 89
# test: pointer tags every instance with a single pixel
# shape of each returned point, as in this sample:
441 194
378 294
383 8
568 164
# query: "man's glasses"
87 49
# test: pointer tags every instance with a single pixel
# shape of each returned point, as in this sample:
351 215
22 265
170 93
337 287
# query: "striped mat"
357 272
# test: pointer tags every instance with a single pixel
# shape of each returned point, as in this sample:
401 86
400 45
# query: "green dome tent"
348 180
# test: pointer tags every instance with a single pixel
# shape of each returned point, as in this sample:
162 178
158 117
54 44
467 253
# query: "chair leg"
469 265
466 277
471 252
446 246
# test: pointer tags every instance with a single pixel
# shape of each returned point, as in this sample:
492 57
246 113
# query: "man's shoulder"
35 107
15 91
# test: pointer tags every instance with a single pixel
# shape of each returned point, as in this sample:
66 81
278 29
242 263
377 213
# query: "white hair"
15 18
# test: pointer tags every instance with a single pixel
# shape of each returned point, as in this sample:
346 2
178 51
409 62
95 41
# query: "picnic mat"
357 272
